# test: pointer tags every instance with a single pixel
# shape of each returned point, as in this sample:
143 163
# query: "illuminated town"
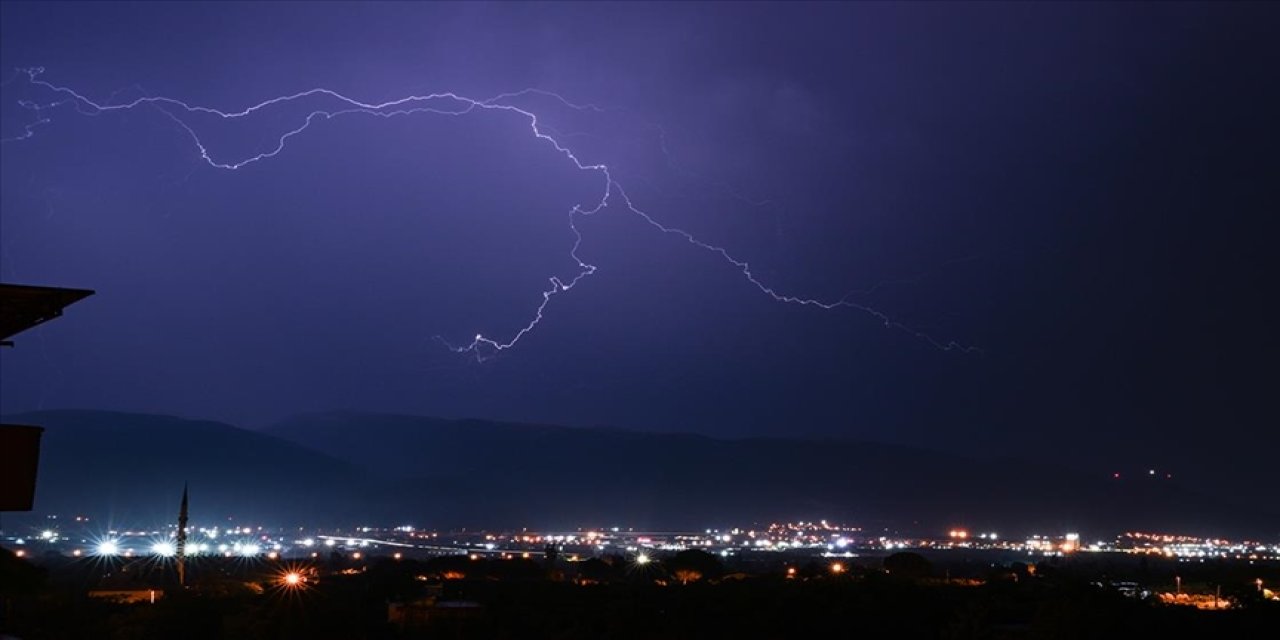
773 548
804 539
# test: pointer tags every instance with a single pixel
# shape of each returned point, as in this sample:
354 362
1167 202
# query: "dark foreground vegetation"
690 595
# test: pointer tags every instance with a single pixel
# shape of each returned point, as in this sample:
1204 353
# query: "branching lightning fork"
447 104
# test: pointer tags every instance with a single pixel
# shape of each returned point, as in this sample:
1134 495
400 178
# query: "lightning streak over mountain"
445 104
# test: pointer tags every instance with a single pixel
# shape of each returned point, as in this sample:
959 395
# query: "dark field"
682 596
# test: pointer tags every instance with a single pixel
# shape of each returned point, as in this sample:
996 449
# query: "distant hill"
478 473
351 468
130 468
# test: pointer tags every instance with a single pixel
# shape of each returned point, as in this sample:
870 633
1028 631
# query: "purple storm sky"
1084 192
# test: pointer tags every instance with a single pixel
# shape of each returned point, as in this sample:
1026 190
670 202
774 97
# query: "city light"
832 541
291 579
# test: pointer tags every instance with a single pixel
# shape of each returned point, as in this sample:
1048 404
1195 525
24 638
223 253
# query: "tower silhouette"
182 539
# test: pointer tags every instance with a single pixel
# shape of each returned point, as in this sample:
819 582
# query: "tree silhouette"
908 565
692 565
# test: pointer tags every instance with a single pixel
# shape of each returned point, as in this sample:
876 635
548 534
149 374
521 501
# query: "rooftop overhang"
23 306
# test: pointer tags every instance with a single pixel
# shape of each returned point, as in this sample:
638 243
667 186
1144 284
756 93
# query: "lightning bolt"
450 104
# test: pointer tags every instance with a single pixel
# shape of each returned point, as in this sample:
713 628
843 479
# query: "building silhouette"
23 307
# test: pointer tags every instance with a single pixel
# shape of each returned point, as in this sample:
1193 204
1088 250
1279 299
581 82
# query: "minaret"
182 539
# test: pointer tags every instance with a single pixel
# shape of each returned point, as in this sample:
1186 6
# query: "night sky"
1086 194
